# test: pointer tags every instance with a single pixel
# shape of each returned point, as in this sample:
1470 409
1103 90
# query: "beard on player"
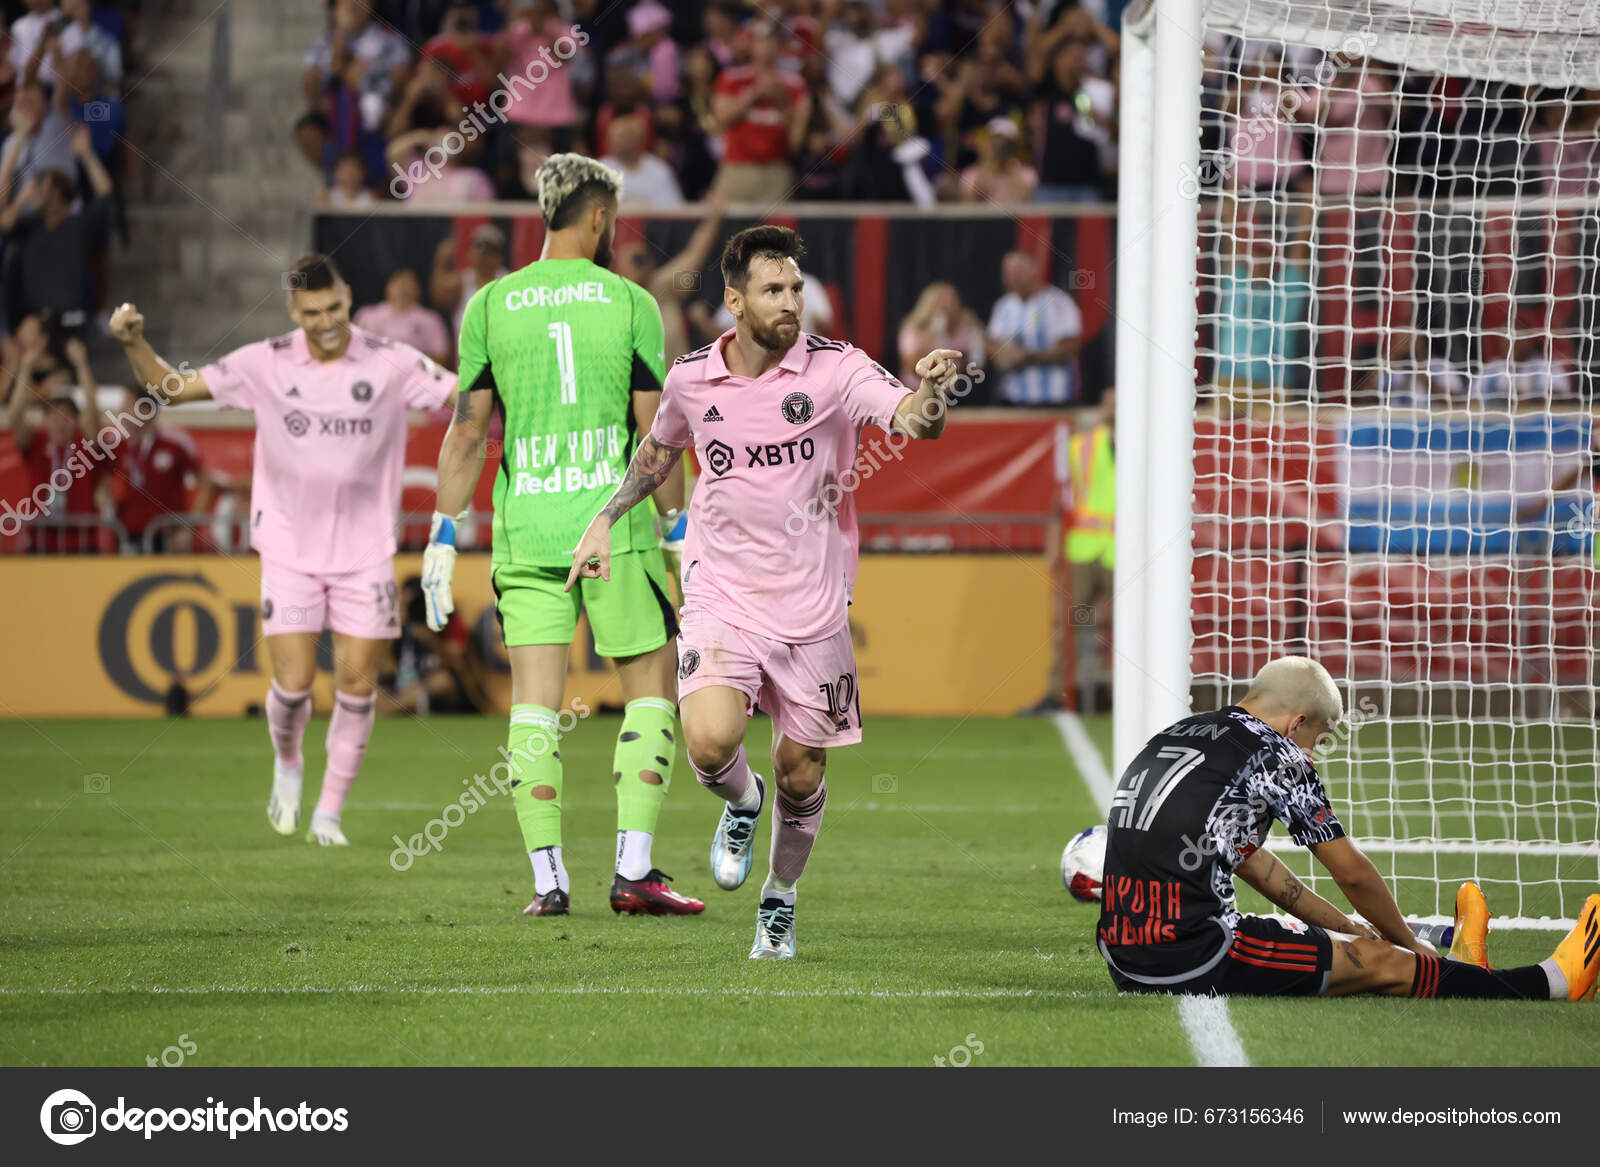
604 247
776 333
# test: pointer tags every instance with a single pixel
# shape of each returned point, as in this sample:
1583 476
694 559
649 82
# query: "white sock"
286 783
778 889
633 854
549 872
751 799
322 816
1558 979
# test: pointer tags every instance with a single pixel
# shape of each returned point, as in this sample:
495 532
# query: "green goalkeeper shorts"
628 615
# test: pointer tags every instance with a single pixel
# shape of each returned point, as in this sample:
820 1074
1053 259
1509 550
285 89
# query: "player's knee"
711 747
293 677
354 684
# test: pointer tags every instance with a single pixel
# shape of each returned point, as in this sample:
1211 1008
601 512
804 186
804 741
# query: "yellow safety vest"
1093 535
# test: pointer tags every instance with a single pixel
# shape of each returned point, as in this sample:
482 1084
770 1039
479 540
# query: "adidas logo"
712 415
293 392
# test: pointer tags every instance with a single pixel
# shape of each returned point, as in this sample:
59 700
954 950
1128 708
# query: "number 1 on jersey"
561 332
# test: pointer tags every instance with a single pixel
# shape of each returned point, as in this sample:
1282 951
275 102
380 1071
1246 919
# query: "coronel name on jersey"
570 461
587 292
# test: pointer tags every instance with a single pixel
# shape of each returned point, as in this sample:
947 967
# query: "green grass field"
148 904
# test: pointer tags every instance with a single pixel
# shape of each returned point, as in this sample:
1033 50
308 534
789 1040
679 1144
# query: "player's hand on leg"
438 567
592 559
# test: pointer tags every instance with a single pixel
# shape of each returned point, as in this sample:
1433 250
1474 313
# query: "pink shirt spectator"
1264 148
416 326
664 71
1356 138
1568 163
772 541
330 444
456 184
542 92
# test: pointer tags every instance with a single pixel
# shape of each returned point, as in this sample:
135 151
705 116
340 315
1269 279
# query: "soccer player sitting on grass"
1193 810
330 402
769 561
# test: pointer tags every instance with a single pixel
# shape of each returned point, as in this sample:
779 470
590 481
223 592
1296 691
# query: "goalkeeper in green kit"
570 354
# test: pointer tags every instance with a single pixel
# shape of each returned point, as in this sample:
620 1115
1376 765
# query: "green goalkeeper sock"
642 771
536 768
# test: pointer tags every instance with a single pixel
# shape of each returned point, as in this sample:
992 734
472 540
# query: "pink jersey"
330 444
771 546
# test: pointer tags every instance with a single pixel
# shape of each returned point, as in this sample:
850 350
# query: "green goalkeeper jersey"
565 345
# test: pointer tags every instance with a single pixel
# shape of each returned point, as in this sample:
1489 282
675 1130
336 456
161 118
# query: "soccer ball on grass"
1083 864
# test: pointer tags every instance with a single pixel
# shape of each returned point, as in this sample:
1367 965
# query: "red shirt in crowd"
43 459
156 470
762 135
465 81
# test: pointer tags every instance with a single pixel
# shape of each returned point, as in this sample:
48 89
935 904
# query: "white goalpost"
1358 351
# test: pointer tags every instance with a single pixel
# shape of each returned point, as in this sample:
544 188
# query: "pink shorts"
809 690
355 603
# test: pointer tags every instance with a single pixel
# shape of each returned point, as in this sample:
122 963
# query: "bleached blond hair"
565 176
1296 684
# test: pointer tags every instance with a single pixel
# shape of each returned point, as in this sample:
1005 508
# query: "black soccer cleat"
554 902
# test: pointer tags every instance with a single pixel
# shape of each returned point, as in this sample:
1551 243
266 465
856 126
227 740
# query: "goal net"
1397 219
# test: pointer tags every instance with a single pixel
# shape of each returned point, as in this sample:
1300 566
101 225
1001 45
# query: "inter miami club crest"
719 456
297 423
797 408
689 663
361 391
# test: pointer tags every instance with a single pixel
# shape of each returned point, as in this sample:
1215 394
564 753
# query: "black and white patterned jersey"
1198 800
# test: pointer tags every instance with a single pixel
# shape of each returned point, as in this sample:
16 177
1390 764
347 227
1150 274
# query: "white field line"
1087 758
1211 1034
883 802
559 991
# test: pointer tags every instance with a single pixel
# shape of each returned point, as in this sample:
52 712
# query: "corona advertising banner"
110 637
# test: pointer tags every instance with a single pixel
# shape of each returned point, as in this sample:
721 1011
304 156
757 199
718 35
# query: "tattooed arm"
1264 872
461 454
1364 887
652 465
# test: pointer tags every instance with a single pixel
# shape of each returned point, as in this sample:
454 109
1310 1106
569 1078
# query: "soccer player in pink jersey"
775 416
330 403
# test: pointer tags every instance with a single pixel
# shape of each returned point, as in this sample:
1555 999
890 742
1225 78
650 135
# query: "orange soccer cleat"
1578 956
1471 944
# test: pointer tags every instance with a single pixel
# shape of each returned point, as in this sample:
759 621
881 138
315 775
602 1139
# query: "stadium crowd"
793 100
64 165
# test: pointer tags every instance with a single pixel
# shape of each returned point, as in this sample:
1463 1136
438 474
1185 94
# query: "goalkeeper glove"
673 526
438 565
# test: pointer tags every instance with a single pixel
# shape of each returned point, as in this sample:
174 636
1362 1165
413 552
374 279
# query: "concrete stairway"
210 236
